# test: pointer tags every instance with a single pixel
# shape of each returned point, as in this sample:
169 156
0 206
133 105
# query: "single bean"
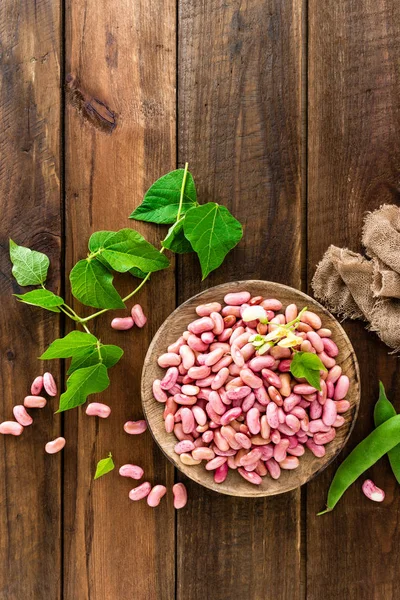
200 325
250 379
280 450
324 333
188 424
248 402
272 415
199 372
304 388
221 473
55 446
329 412
206 382
176 346
180 495
37 385
272 378
169 359
49 384
97 409
277 352
35 402
289 463
220 378
170 407
343 406
293 422
291 312
220 442
169 423
325 437
271 304
195 343
187 459
237 356
237 298
312 319
122 324
296 451
21 415
225 335
190 390
330 347
215 463
273 468
214 356
307 346
291 401
315 410
207 436
231 415
132 471
253 421
230 311
170 378
303 328
155 495
318 426
372 491
11 428
219 324
275 395
207 337
341 387
339 421
184 446
251 477
243 440
261 362
204 310
316 341
238 392
330 389
203 454
135 427
140 492
251 457
334 373
138 315
326 360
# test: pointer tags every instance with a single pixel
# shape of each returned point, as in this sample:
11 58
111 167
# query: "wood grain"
239 126
354 151
120 136
30 542
172 329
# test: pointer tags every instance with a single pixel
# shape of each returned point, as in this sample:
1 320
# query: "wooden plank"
239 115
120 136
354 118
31 213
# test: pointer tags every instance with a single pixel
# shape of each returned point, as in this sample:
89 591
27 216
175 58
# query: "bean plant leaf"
125 249
70 345
138 273
212 232
91 284
43 298
176 240
110 355
161 202
81 383
307 365
29 266
383 411
104 466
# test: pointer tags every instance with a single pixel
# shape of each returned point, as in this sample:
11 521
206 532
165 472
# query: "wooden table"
289 113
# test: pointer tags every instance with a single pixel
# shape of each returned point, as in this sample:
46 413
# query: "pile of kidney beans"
234 409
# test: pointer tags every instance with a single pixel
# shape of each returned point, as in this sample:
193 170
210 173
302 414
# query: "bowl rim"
253 489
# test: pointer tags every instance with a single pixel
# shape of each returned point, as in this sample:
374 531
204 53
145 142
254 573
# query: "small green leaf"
307 365
91 284
43 298
176 240
125 249
70 345
161 202
110 355
104 466
29 267
212 232
81 383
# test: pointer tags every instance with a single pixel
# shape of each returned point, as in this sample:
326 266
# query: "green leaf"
104 466
161 202
125 249
137 273
212 232
110 355
383 411
81 383
176 240
307 365
43 298
29 267
91 284
70 345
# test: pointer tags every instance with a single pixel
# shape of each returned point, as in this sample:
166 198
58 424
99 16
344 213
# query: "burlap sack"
354 287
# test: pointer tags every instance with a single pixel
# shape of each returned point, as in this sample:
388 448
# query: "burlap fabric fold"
355 287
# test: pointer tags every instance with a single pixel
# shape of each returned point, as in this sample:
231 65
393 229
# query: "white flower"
290 340
254 313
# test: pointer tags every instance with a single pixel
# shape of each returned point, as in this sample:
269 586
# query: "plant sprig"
209 230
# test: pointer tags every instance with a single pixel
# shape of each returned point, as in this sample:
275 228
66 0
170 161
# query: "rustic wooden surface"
289 113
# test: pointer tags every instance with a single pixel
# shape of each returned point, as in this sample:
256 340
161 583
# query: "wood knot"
93 110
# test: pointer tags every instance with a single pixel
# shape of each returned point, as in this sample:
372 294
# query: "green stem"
178 216
98 345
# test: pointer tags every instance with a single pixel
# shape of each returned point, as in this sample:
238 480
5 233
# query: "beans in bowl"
231 398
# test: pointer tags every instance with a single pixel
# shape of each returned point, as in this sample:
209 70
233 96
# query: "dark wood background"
289 113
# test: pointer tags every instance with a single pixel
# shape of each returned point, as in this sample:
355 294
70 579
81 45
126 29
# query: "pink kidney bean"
175 347
291 401
316 341
190 390
275 395
155 495
135 427
324 332
35 402
248 402
216 462
250 379
203 453
170 378
237 356
272 304
272 415
11 428
216 403
97 409
180 495
253 421
169 423
138 315
280 450
251 458
318 426
200 325
199 372
293 422
207 337
219 324
238 393
132 471
169 359
140 492
334 374
342 406
49 384
208 436
184 446
272 378
339 421
262 396
55 446
310 318
372 491
330 347
170 407
273 468
251 477
327 361
196 343
221 473
21 415
188 423
37 385
243 440
199 415
304 388
315 410
188 357
214 356
237 298
329 412
330 389
122 324
296 451
259 363
220 378
231 415
341 387
204 310
326 437
291 312
233 312
289 463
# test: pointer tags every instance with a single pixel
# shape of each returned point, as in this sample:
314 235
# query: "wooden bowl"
234 484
